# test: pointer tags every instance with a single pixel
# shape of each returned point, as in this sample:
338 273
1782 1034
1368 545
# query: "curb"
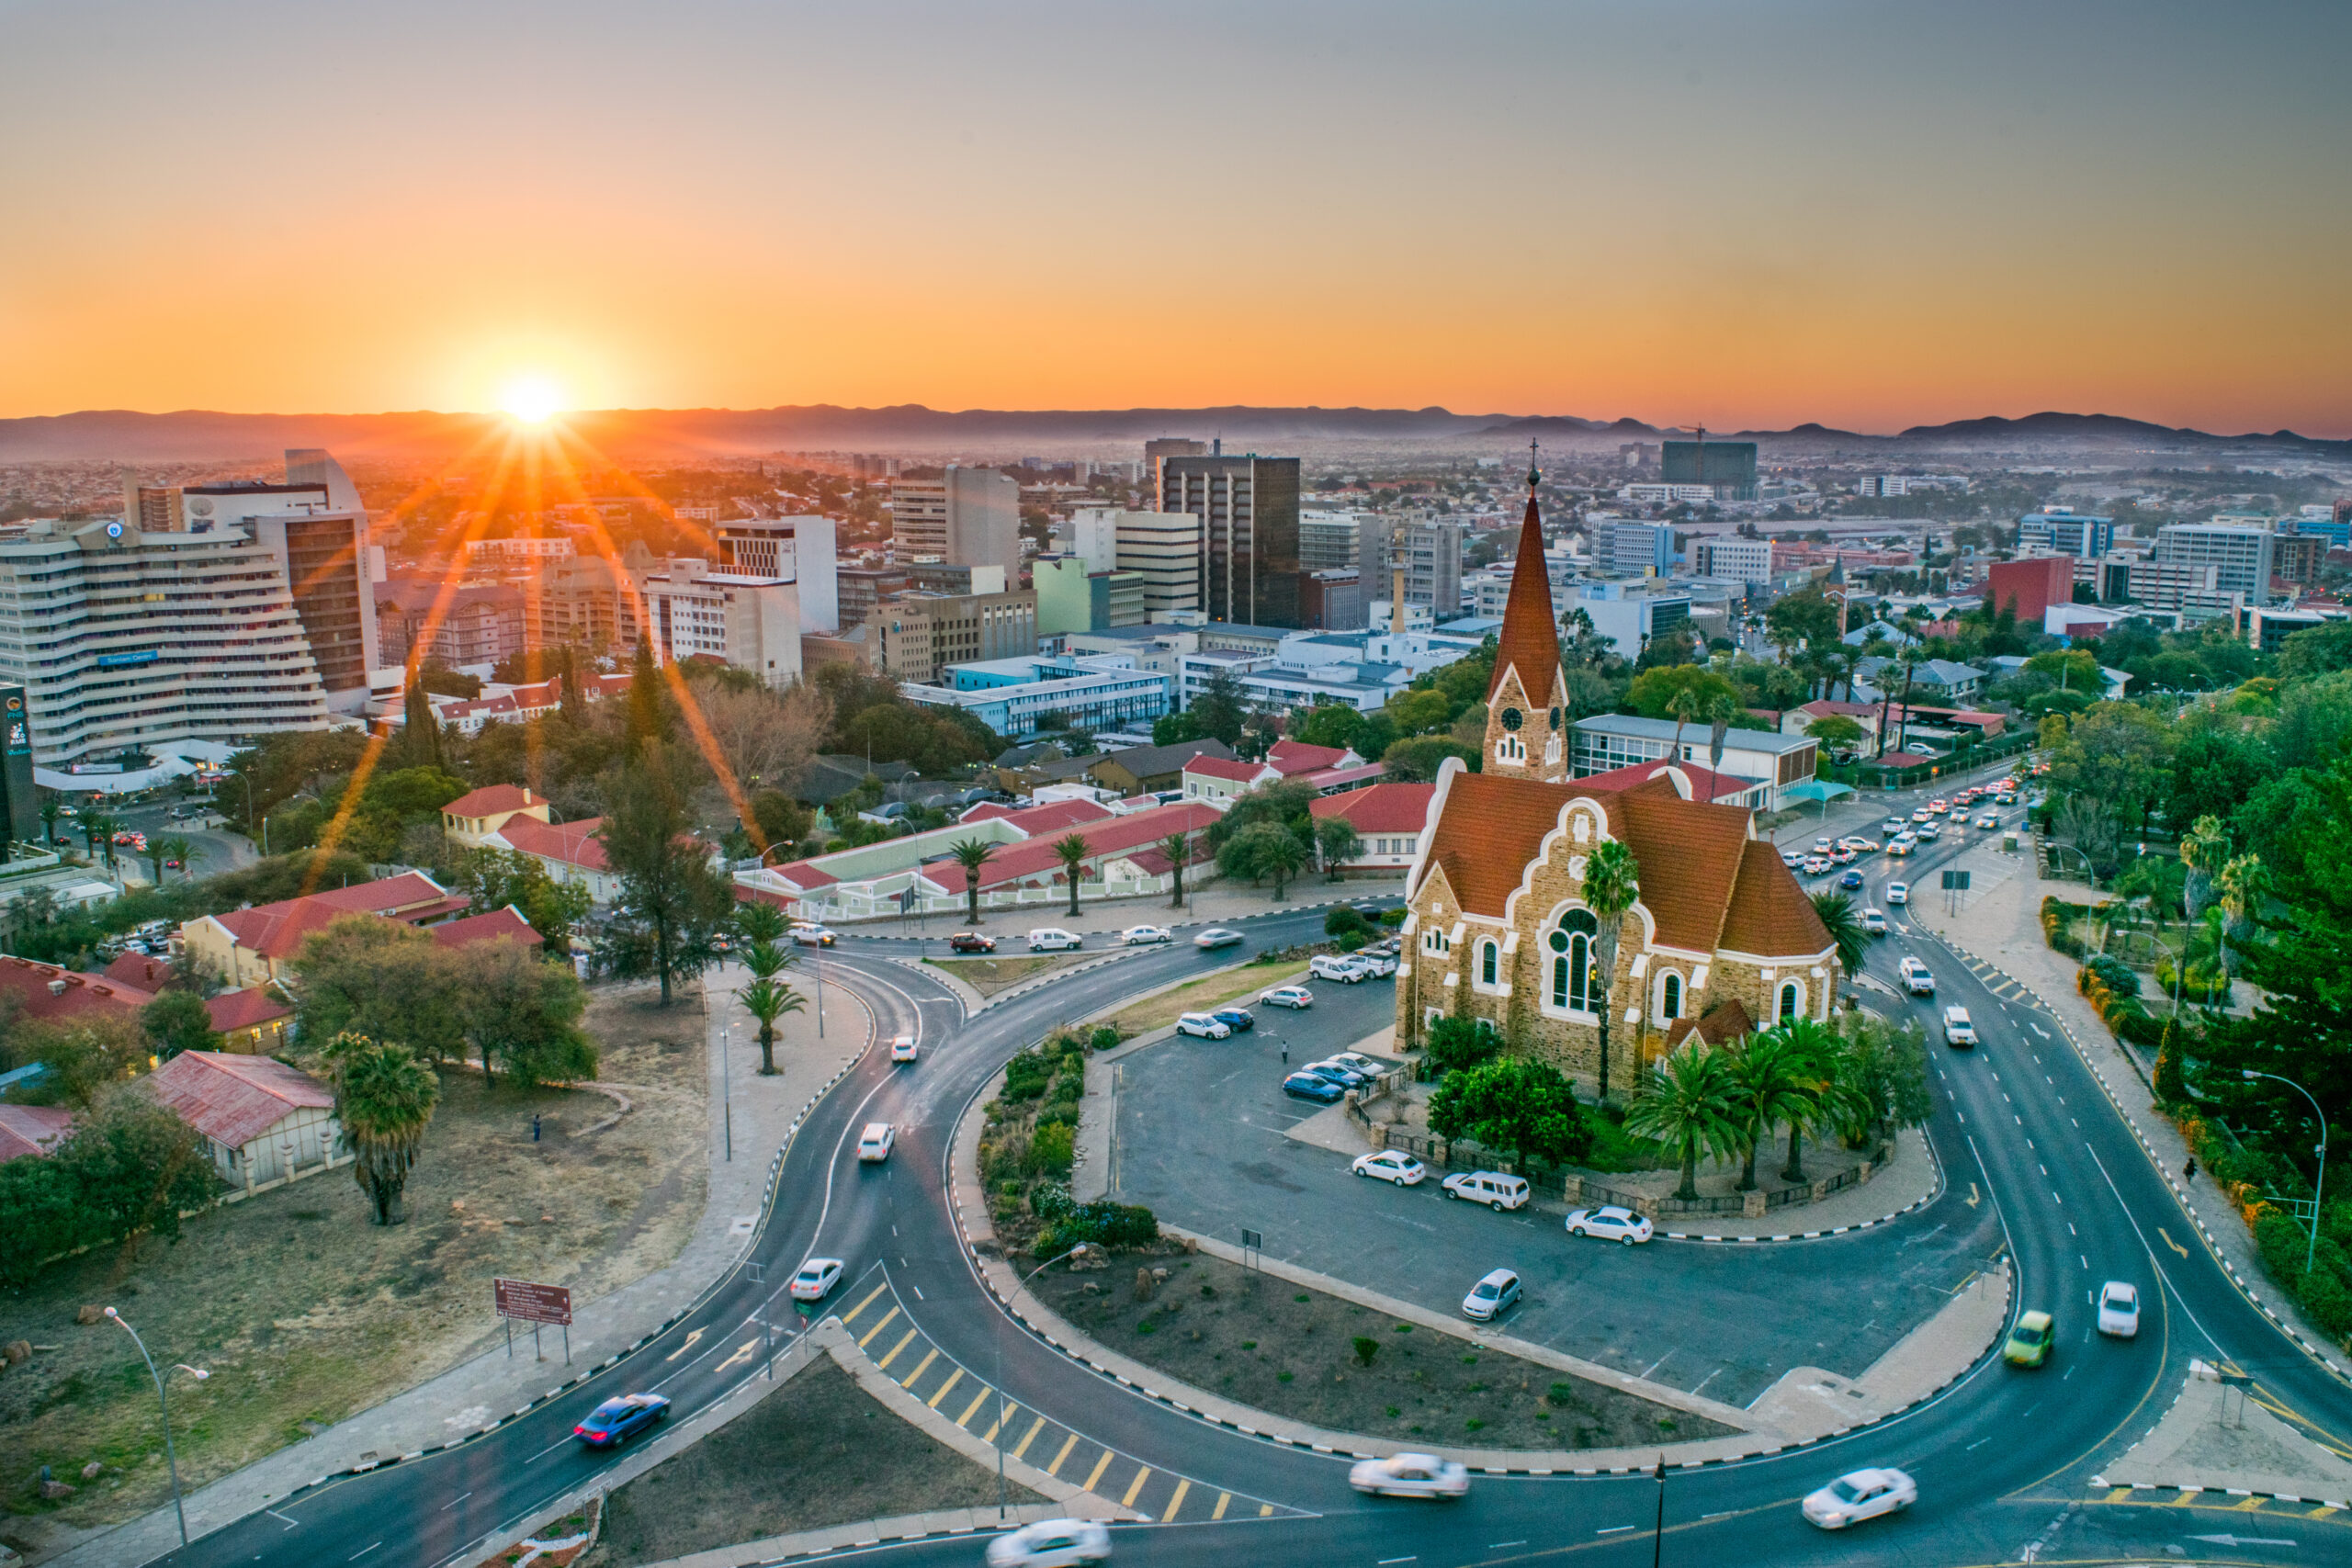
1933 1194
2186 1491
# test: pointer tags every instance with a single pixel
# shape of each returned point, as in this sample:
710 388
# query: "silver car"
1410 1475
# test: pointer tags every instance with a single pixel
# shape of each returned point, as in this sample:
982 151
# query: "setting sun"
534 400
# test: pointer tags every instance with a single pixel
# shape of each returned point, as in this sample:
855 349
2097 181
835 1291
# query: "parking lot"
1201 1127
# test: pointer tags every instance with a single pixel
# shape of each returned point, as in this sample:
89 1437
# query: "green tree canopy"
176 1021
1514 1104
1653 692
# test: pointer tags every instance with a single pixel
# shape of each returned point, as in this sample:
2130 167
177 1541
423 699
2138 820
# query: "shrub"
2120 976
1393 917
1025 1078
1348 941
1366 1348
1054 1150
1105 1222
1341 921
1104 1038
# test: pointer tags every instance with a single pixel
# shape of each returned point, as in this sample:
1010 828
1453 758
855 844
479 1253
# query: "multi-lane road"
2005 1459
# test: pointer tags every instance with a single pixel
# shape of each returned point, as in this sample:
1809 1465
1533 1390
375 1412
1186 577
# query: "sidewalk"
1219 901
483 1392
2215 1440
1999 923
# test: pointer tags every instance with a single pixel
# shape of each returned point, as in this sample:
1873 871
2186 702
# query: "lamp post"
726 1085
1002 1410
199 1374
2319 1186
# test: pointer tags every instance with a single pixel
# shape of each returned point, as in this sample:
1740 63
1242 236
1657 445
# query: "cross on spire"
1534 475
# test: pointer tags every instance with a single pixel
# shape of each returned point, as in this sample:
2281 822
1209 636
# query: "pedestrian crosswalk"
881 1326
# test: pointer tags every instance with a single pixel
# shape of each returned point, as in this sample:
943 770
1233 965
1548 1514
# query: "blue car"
1852 879
1236 1018
615 1421
1332 1072
1306 1086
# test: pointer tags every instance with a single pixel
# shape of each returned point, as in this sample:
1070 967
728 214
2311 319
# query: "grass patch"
989 976
1615 1150
1204 995
817 1452
1258 1341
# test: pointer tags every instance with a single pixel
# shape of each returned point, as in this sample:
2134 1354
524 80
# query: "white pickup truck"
1959 1028
1917 979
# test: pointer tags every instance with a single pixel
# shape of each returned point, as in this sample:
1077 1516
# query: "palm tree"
2241 884
1684 706
760 922
1178 848
1837 912
1720 711
768 998
384 1099
1072 851
1814 1055
1611 883
1686 1104
2204 851
99 828
178 848
1280 856
1767 1087
972 855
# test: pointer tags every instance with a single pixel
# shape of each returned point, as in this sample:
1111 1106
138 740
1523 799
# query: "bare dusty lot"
305 1314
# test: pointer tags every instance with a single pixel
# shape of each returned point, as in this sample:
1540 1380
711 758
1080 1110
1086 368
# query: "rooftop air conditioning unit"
57 987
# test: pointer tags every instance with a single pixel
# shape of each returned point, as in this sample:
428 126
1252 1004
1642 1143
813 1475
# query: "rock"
55 1491
90 1315
18 1352
1091 1289
90 1471
1145 1284
1158 1274
1192 1243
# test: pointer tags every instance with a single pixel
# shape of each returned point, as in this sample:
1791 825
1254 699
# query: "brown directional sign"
528 1302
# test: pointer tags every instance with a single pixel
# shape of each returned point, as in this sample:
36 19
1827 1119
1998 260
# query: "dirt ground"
1267 1343
801 1459
989 976
304 1312
1203 995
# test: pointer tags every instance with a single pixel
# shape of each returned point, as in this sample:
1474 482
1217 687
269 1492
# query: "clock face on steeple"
1513 718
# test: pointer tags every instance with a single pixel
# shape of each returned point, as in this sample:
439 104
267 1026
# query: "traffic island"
2217 1438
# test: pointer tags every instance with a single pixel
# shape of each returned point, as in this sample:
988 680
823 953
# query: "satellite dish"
114 530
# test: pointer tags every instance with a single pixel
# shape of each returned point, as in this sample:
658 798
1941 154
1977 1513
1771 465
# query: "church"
1720 940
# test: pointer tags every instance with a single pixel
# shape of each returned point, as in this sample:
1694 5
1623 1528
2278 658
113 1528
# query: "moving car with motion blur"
615 1421
1862 1495
1051 1543
1410 1475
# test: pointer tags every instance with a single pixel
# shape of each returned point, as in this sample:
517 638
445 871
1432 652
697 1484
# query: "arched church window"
1574 984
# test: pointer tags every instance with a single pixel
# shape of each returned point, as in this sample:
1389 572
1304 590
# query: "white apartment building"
510 555
1738 559
1630 548
2242 550
1162 547
752 622
798 550
966 517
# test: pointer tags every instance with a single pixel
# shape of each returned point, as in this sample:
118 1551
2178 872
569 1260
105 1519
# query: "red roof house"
32 1129
252 1022
262 1121
1389 819
474 816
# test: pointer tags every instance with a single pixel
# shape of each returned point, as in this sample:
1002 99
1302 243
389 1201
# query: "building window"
1791 1002
1669 997
1489 963
1574 985
1435 941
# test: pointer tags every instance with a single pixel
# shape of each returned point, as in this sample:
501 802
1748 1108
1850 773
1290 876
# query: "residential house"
262 1122
570 851
1145 769
251 1021
32 1129
1387 818
254 947
46 993
473 817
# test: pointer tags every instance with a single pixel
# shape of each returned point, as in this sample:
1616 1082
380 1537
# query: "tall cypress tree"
423 743
574 700
647 719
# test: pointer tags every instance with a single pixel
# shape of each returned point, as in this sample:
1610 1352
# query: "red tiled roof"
1113 836
279 931
1289 756
1723 1023
573 843
490 799
1055 815
1382 808
234 1100
1530 639
806 876
31 1129
1218 768
29 983
1769 914
245 1009
139 970
1705 782
1339 778
497 923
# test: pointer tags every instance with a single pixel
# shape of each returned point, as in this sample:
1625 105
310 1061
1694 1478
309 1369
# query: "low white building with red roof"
262 1122
254 947
1389 819
570 851
473 817
1328 769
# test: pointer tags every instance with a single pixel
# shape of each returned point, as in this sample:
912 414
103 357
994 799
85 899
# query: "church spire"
1524 733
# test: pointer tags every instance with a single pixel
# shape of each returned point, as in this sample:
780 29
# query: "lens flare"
533 400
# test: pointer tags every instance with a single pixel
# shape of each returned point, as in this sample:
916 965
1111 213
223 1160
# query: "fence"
1881 774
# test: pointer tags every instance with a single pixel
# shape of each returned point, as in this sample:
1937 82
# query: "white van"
1052 938
1492 1187
1339 967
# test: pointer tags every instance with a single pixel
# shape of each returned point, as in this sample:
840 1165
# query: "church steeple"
1526 735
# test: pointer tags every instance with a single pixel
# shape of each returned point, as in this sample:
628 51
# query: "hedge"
2121 1011
2058 918
1099 1224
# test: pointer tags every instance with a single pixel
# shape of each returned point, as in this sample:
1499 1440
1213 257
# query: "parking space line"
921 1367
1068 1443
878 1328
953 1379
1022 1452
1143 1474
1183 1485
904 1340
978 1400
1219 1512
1096 1474
850 1317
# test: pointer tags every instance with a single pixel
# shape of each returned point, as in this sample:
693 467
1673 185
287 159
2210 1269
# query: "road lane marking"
921 1367
1096 1474
904 1340
681 1350
444 1507
850 1315
1068 1443
1612 1529
1143 1474
877 1328
2169 1242
743 1352
290 1523
1219 1512
953 1379
1183 1486
361 1552
1022 1452
978 1400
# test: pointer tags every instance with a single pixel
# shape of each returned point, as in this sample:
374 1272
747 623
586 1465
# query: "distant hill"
639 435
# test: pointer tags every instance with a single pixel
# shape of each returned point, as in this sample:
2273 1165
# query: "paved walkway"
485 1390
2215 1440
1999 923
1220 900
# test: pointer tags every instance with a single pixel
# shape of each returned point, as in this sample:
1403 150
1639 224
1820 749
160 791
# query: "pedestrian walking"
2188 1171
535 1126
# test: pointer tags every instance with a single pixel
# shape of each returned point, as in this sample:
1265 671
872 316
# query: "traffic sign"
528 1302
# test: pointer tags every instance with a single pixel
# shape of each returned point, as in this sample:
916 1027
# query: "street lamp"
2319 1186
1003 1412
199 1374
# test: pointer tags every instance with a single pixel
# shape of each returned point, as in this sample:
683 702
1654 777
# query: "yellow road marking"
953 1379
1022 1452
2169 1242
1067 1443
978 1400
2320 1512
877 1328
1096 1474
1143 1474
850 1315
2184 1500
2251 1505
994 1428
1176 1501
685 1348
904 1340
2117 1494
743 1352
921 1367
1265 1510
1219 1512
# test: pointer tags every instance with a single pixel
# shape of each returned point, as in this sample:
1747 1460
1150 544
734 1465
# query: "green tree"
176 1021
1419 713
493 879
2322 651
50 809
2116 754
1682 707
760 924
1335 837
383 979
134 1168
1178 848
2204 850
177 849
1071 850
1816 1053
1175 728
384 1099
647 716
768 998
1416 758
2214 770
83 1054
1653 692
973 855
98 829
1515 1104
420 730
1612 884
1217 712
523 1013
1331 723
41 1215
1723 709
1263 849
1883 1066
1835 732
671 902
1582 645
1687 1102
1845 927
1794 619
1457 1044
1765 1083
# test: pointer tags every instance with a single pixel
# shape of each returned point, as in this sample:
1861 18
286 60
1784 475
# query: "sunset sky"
1744 212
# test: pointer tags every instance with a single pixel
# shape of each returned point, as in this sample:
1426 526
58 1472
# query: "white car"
1939 806
1491 1296
1959 1028
1609 1223
816 1276
1864 1494
813 936
1052 938
2119 1310
1898 893
1917 979
903 1047
1203 1025
1217 936
1293 996
1369 1067
1410 1475
1818 866
1923 814
1874 920
1821 846
874 1144
1051 1543
1989 819
1379 964
1931 830
1332 966
1402 1169
1144 936
1493 1187
1894 825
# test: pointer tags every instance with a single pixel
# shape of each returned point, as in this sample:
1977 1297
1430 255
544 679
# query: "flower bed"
1027 1151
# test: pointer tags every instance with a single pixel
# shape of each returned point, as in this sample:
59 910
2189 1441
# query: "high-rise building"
2242 551
915 635
965 517
1742 560
1331 599
585 601
2068 532
1249 511
1070 598
2296 556
19 796
752 622
800 550
1630 549
460 623
2029 585
1431 552
1728 466
1169 447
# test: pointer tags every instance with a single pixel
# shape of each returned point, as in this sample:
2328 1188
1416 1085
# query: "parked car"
807 935
1216 936
1793 859
1863 1495
1874 920
1293 996
1491 1296
1143 936
1390 1165
816 1276
1917 979
875 1141
1051 1543
1959 1028
1357 1062
2029 1343
1378 963
1898 893
970 941
615 1421
1337 1072
1609 1223
1492 1187
1341 968
1203 1025
1237 1018
1052 938
1306 1086
1410 1475
903 1047
2119 1310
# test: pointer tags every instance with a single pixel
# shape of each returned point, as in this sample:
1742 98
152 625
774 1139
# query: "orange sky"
1868 214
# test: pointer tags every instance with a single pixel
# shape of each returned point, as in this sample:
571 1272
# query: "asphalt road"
2003 1457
